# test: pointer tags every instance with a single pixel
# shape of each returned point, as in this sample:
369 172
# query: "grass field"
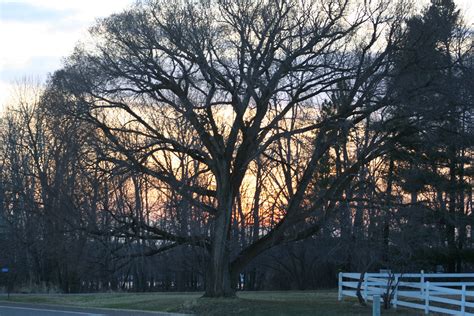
247 303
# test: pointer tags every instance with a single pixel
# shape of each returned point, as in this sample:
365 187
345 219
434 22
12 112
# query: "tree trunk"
451 222
360 298
387 212
219 280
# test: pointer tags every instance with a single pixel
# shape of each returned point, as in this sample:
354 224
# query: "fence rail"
447 293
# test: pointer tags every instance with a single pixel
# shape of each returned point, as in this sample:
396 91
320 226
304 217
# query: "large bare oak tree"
232 73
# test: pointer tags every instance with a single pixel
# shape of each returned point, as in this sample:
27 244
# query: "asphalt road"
17 309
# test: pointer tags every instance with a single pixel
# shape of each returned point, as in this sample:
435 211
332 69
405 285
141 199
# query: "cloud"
36 34
35 66
87 9
22 42
17 11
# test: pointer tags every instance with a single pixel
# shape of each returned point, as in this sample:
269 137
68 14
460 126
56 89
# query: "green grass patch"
247 303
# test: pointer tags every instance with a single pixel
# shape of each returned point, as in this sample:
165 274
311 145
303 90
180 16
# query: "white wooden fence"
447 293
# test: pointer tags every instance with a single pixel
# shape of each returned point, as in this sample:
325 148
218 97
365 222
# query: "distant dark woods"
228 145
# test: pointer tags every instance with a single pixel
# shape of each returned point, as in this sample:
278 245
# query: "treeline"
249 145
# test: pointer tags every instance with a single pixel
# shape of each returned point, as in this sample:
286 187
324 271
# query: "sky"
35 35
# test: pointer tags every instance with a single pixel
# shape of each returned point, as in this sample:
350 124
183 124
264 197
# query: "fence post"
395 295
427 297
463 300
365 287
422 281
339 294
376 305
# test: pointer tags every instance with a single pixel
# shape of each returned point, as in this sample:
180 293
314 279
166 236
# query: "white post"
463 300
422 281
395 296
365 287
339 294
376 305
427 298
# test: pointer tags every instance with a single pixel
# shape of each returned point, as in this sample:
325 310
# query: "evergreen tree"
431 115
